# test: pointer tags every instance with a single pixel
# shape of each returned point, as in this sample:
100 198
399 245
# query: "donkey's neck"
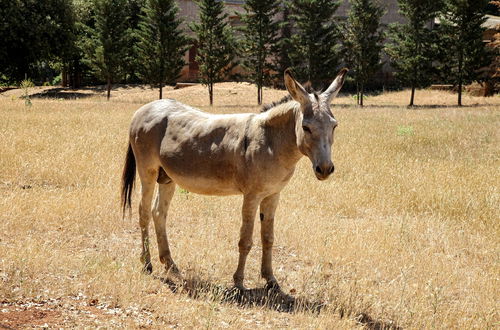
279 122
281 113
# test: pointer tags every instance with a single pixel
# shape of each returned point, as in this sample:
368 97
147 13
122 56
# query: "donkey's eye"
306 129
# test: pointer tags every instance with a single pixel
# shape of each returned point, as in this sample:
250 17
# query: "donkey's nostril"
318 170
331 169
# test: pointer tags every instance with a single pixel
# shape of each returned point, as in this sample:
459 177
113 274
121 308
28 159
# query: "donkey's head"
314 128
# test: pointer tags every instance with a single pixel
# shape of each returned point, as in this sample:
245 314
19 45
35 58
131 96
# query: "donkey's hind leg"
267 210
160 209
148 181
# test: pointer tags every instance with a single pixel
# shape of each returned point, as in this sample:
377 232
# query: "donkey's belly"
206 186
203 176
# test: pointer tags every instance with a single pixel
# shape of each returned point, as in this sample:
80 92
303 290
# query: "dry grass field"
405 234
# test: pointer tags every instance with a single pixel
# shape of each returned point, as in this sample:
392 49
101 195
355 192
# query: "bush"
25 86
57 80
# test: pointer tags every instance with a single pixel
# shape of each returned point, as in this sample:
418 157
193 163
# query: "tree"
161 43
284 42
490 73
260 35
131 65
107 48
216 46
33 33
411 47
71 65
462 37
362 41
315 50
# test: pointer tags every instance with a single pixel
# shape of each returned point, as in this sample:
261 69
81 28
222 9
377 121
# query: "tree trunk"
211 93
412 97
361 94
460 63
76 75
417 51
259 95
161 91
64 76
357 93
460 92
109 88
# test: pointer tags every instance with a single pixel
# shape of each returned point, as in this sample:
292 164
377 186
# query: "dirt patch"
12 318
68 312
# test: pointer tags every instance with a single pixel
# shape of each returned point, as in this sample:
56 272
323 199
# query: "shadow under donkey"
270 297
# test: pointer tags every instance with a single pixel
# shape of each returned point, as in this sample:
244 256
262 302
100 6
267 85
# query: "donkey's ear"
336 85
295 89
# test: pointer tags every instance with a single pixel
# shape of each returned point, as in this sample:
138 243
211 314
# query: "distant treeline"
78 42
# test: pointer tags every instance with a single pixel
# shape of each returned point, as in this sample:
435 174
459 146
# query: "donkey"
249 154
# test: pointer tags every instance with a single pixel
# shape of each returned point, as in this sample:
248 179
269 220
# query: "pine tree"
106 49
411 45
132 66
216 45
284 43
260 37
315 42
362 41
462 40
161 43
490 73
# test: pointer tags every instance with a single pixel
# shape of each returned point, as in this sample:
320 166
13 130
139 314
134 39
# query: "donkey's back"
202 152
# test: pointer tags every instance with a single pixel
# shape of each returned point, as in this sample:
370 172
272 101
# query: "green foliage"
131 65
362 42
216 44
161 43
32 32
284 43
405 131
412 46
314 52
106 49
260 34
74 66
56 81
184 192
463 49
25 85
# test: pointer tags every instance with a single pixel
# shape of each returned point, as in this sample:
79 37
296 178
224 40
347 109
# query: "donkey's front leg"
250 204
267 210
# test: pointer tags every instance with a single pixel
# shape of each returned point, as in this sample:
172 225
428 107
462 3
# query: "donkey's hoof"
239 288
236 293
272 286
173 271
147 269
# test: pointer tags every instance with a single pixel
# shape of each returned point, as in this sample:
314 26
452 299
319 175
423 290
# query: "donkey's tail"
128 178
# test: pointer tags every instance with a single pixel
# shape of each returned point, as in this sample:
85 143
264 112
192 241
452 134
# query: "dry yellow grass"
406 231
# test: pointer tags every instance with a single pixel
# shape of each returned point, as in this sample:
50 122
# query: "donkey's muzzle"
323 171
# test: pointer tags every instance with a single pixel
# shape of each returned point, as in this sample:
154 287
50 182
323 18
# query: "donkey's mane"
269 106
288 98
